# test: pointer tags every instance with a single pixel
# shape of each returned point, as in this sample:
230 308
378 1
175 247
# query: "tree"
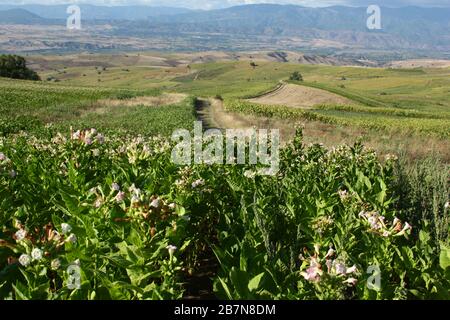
296 76
15 67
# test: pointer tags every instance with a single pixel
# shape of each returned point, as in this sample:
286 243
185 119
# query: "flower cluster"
87 136
6 166
378 225
142 204
335 267
38 248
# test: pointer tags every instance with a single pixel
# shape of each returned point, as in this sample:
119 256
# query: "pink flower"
351 281
120 196
351 270
314 271
340 268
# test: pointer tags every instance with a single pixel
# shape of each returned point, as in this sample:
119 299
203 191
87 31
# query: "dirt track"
297 96
213 115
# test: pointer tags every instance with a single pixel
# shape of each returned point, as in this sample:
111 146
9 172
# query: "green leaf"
19 294
239 279
444 258
225 288
255 282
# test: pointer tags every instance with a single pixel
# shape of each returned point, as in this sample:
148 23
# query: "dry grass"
384 143
420 63
296 96
161 100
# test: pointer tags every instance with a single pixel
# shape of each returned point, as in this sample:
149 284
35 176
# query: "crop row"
88 216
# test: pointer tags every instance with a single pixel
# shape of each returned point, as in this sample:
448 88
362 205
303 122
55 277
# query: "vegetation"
105 214
12 66
296 76
132 224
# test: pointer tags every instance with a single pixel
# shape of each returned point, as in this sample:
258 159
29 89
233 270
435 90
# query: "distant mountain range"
407 28
91 12
22 16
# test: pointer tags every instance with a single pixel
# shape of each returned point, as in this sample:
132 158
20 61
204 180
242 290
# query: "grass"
25 103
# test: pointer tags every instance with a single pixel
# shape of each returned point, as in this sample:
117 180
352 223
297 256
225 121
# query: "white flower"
447 205
20 235
76 135
2 156
56 236
100 138
351 270
88 141
197 183
36 254
396 220
330 253
374 224
134 190
55 264
135 199
171 249
66 228
343 194
98 203
72 238
96 152
172 206
12 173
25 260
115 187
156 203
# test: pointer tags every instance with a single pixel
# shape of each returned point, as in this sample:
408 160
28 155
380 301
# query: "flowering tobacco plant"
93 216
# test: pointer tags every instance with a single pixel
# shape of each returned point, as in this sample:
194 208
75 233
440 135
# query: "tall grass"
423 189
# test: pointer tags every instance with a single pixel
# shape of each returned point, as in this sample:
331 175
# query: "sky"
215 4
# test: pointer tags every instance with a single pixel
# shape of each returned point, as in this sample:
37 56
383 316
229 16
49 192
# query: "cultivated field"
92 207
292 95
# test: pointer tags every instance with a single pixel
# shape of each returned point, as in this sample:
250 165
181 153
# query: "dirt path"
298 96
213 115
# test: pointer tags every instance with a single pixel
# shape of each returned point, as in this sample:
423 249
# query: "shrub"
12 66
296 76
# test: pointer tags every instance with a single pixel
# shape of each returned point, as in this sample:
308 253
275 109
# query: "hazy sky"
212 4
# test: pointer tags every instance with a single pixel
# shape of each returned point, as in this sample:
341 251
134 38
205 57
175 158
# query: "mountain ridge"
407 28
